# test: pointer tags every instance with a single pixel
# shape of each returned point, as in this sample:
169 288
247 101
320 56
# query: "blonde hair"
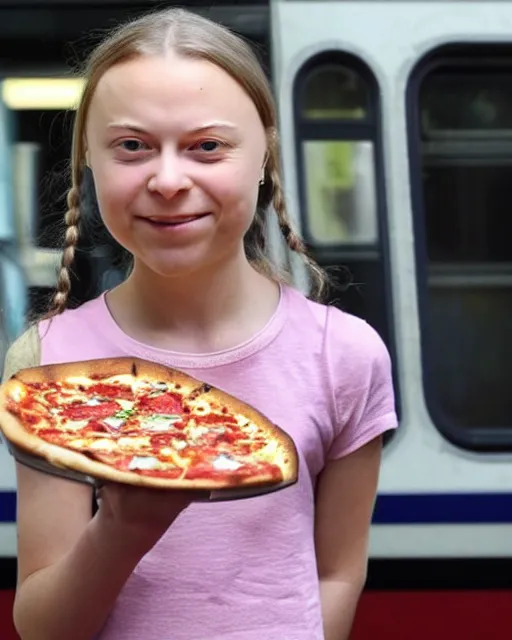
188 35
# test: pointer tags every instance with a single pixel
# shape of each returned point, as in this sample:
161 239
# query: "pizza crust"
284 455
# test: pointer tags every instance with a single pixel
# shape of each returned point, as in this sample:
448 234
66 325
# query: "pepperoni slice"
160 440
204 470
94 426
122 391
85 411
51 435
215 418
166 403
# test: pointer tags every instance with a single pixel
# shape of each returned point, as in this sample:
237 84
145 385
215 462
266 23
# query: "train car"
396 126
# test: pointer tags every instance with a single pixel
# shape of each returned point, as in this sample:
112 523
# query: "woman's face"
177 150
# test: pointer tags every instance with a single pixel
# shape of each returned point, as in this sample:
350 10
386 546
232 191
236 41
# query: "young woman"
178 129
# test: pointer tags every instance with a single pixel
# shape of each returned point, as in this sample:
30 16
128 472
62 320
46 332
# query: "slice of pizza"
132 421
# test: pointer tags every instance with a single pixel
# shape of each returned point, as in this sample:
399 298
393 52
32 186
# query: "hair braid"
318 276
72 219
255 240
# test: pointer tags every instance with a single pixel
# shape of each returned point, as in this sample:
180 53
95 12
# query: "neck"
199 312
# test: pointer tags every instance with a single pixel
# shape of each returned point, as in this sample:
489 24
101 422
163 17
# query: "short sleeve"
23 353
361 382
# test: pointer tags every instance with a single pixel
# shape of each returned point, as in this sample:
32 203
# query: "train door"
396 143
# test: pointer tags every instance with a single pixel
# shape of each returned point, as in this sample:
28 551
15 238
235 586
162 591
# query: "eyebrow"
212 125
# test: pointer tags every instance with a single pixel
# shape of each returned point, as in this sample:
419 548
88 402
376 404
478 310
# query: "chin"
180 264
171 268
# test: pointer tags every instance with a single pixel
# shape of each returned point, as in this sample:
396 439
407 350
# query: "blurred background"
396 125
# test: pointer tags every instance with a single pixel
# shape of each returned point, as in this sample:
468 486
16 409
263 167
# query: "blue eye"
132 145
209 145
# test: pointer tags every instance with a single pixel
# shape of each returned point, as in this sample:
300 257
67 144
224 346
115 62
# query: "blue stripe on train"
459 508
7 506
444 508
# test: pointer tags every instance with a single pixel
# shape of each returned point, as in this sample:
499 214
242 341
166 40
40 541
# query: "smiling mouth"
175 222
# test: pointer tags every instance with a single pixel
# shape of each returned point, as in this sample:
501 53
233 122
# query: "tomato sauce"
214 418
85 411
122 391
204 470
166 403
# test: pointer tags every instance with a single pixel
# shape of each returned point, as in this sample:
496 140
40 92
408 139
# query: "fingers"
98 490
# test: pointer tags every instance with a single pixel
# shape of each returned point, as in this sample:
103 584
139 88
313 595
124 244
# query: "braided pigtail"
255 240
319 278
72 219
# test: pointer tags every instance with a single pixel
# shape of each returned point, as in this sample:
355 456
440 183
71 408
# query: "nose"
169 176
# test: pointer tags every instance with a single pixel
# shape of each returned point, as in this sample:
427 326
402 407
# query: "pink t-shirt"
245 570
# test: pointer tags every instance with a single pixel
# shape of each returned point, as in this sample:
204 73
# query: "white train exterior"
397 143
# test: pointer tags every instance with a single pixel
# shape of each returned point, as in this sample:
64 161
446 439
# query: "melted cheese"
161 386
124 378
223 463
251 428
102 444
93 402
196 432
80 380
243 421
135 441
160 423
125 404
172 454
149 463
144 463
74 425
273 453
199 407
269 451
115 423
137 384
78 443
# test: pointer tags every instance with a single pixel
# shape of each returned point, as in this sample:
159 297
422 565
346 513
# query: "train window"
335 110
41 112
467 101
335 91
340 183
39 131
461 161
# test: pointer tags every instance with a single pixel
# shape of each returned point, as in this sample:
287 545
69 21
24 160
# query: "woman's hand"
140 516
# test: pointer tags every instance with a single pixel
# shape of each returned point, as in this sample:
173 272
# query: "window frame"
459 55
368 129
343 130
